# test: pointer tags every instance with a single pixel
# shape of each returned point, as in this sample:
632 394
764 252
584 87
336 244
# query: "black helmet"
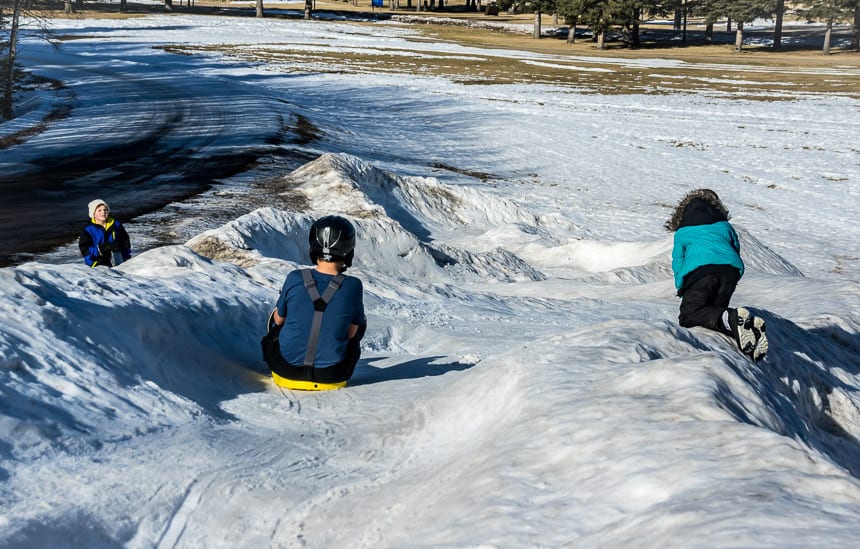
332 238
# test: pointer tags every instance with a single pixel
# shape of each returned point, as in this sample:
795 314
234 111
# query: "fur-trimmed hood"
708 196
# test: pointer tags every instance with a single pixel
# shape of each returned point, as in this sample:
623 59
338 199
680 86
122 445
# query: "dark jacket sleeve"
84 243
362 328
123 240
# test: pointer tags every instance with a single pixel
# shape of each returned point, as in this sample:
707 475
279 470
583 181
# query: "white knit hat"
95 204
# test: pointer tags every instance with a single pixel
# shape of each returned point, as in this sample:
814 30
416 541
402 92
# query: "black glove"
270 342
114 246
104 248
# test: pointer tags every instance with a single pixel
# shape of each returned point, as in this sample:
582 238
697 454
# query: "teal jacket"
699 245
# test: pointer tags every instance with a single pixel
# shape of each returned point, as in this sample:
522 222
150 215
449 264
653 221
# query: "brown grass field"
757 72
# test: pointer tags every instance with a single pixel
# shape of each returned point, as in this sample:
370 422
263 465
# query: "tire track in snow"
159 133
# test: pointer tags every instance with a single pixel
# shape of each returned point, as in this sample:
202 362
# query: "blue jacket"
96 242
699 245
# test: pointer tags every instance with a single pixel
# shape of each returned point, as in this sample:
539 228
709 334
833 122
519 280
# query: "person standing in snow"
707 265
104 241
315 329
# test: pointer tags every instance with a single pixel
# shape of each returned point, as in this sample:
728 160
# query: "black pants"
706 297
336 373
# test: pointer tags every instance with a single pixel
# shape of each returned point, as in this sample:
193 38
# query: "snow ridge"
514 372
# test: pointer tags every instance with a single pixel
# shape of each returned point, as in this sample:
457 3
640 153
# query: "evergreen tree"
628 14
743 11
831 11
571 11
707 10
598 16
540 7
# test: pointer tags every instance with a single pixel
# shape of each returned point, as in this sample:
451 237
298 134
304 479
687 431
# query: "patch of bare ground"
757 72
483 176
594 74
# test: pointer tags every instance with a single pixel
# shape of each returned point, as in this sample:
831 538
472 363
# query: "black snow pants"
706 297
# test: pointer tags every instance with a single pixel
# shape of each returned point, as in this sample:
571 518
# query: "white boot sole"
760 348
746 337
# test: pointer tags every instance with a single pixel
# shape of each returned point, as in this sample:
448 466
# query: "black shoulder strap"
320 304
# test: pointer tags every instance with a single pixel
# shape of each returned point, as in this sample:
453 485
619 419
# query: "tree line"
600 16
626 16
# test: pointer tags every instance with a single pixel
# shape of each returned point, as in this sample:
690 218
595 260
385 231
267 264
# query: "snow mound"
524 382
119 352
421 205
422 229
759 257
395 217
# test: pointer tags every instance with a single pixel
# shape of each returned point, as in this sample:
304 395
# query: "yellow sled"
301 385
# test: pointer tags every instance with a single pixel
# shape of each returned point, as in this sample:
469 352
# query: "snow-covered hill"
524 381
496 404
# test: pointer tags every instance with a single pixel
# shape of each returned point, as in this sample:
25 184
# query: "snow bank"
524 380
518 385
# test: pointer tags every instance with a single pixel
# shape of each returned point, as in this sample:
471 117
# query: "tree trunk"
571 30
855 29
634 29
536 33
739 37
123 6
168 5
68 7
601 40
260 12
308 9
777 27
684 24
9 76
728 24
827 34
709 33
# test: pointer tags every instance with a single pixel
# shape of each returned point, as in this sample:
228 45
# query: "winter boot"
742 323
760 347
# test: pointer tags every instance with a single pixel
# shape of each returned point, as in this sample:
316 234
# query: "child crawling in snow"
707 265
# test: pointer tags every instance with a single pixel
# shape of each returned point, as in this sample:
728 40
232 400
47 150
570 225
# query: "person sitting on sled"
318 322
104 241
707 265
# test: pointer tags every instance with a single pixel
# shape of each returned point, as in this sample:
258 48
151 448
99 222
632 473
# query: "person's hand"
114 246
104 248
274 330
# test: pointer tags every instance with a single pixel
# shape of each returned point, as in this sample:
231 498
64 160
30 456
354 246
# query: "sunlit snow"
524 382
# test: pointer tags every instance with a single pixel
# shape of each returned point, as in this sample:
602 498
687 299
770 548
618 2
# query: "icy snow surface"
524 380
